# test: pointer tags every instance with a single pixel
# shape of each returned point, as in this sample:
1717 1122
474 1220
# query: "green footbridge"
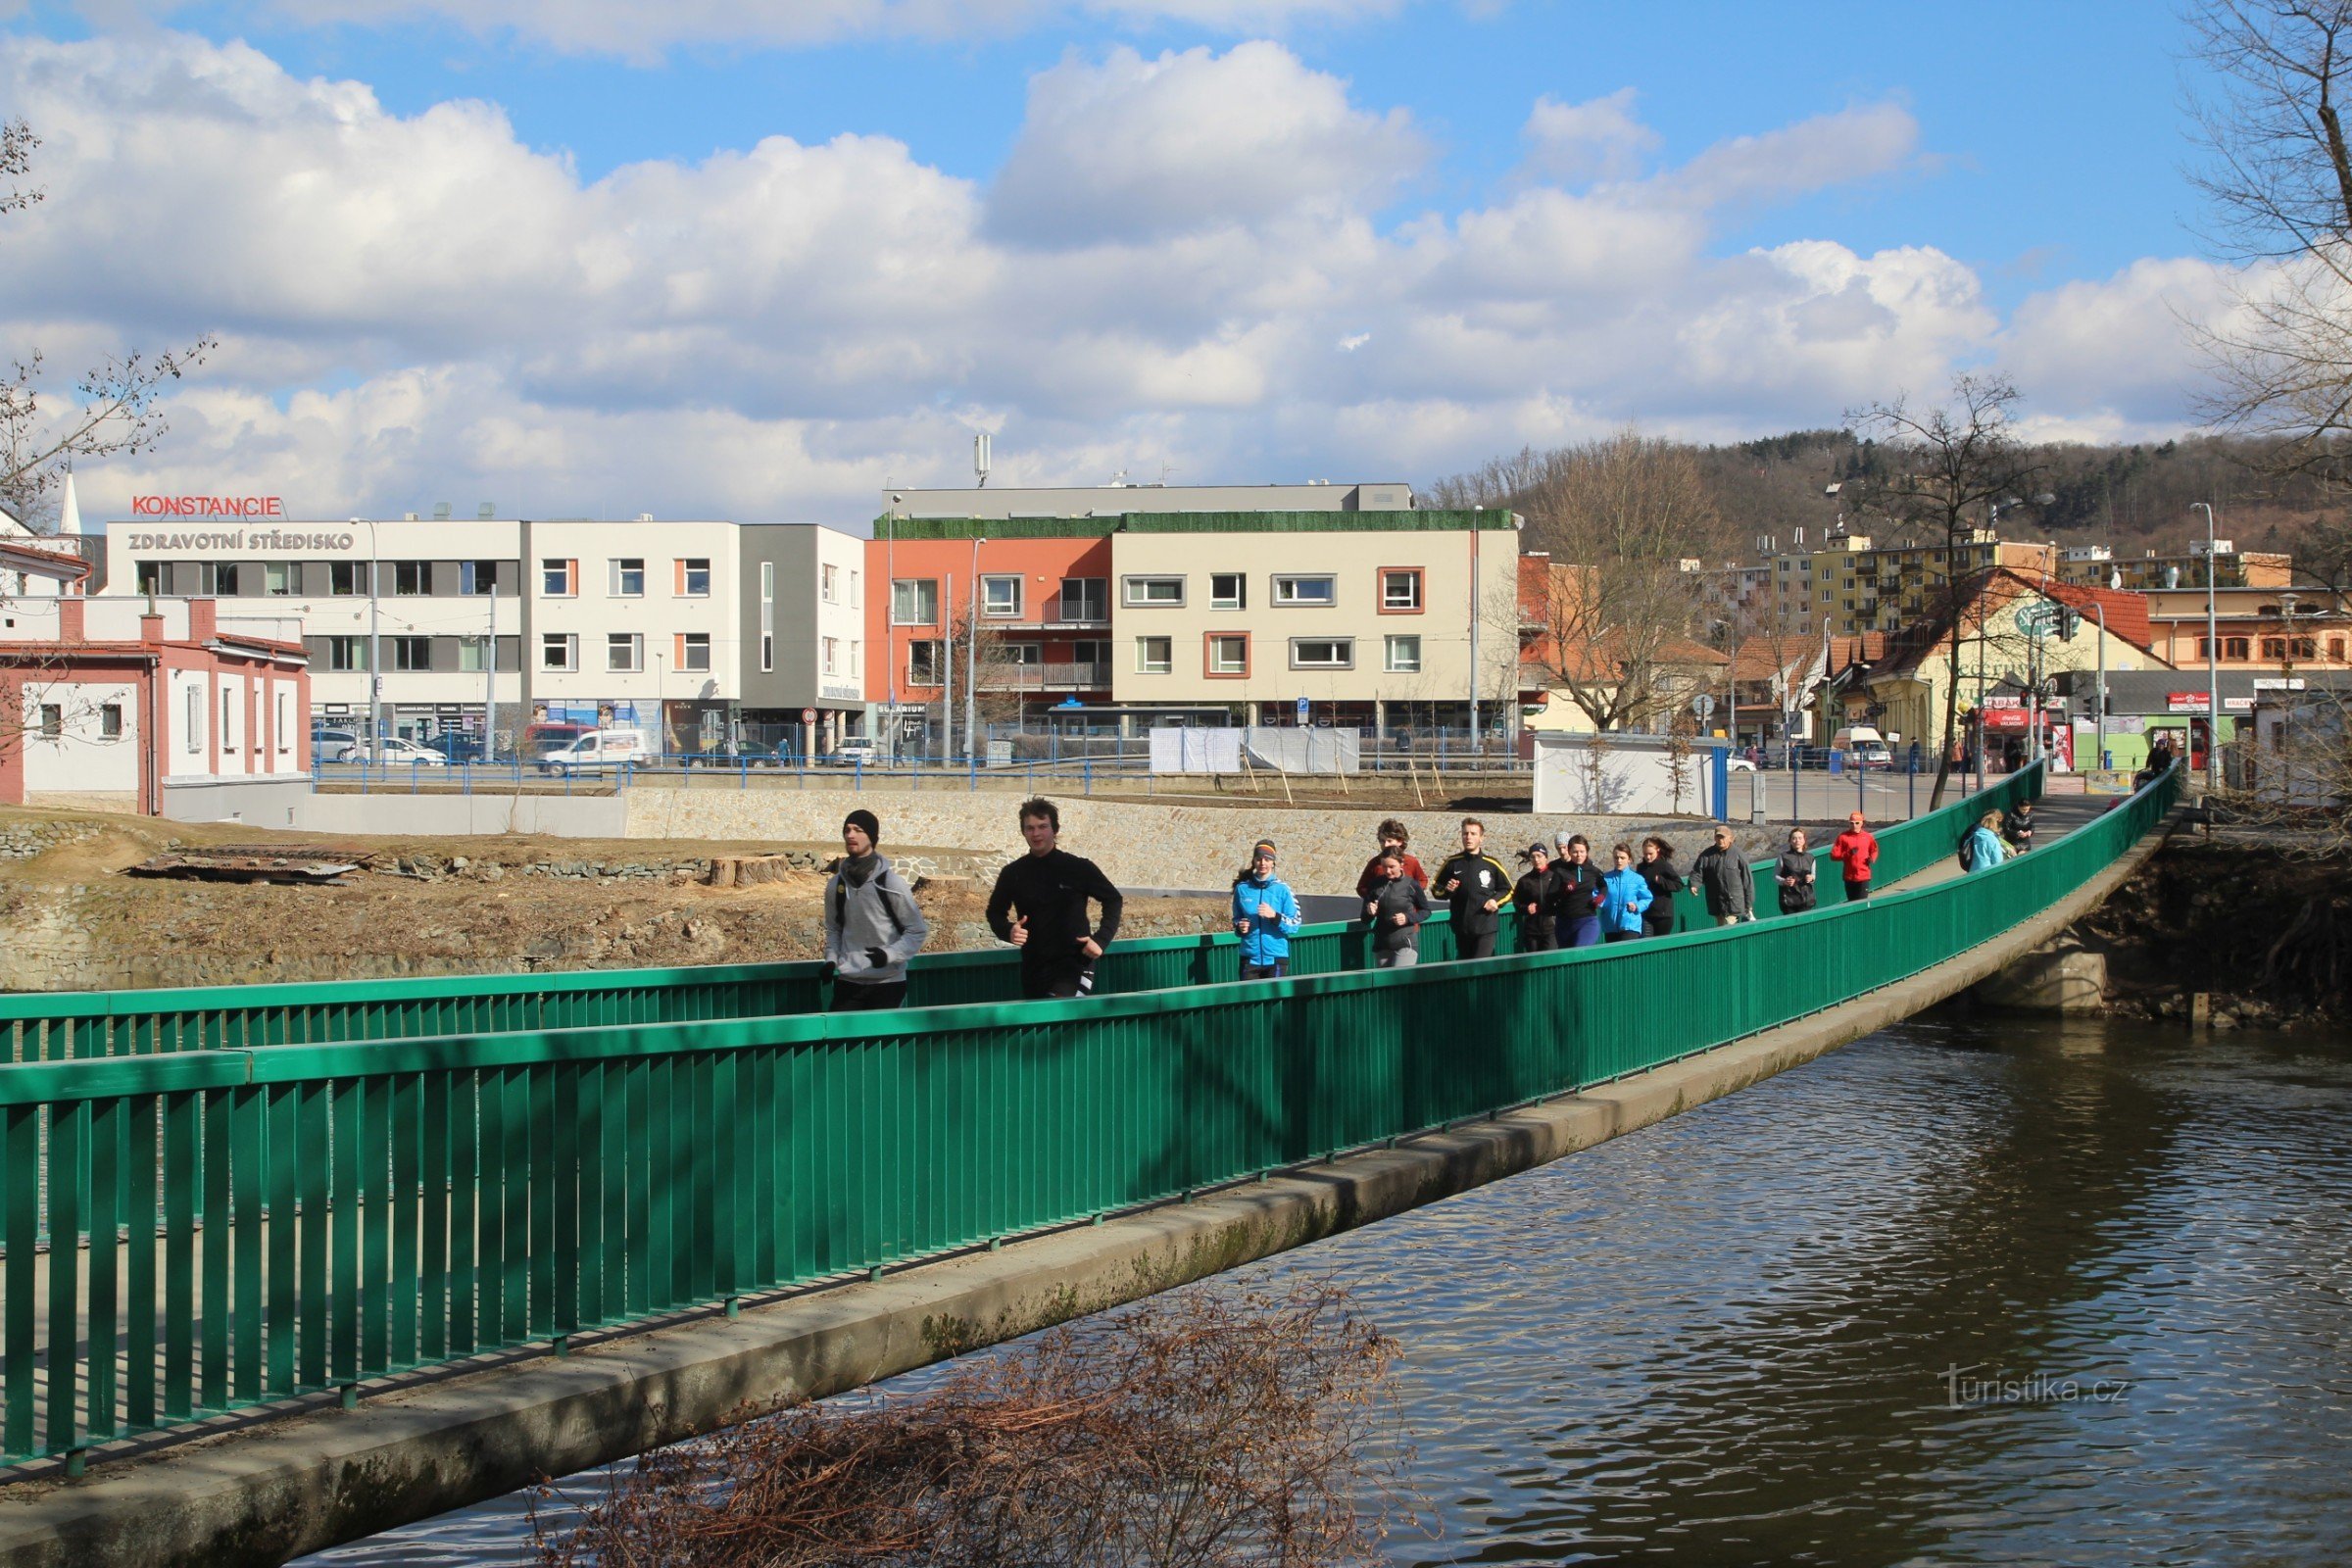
217 1200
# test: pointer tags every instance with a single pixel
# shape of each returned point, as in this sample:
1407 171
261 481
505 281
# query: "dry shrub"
1203 1431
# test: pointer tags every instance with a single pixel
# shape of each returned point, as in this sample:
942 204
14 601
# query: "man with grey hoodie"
872 925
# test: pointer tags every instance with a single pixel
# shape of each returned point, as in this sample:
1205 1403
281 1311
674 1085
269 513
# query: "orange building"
1038 591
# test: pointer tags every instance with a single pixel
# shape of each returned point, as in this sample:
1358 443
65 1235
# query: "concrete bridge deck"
421 1445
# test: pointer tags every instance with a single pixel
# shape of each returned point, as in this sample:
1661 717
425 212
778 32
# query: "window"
346 577
915 601
1228 653
1401 590
347 653
229 718
412 652
624 652
1024 656
559 651
278 579
53 721
832 655
1138 592
559 579
1405 655
477 576
1322 652
694 653
627 577
2335 649
151 577
227 579
767 613
1306 591
411 578
469 654
283 729
693 577
1085 599
923 664
1001 596
1092 651
1228 590
828 580
194 726
1154 655
2238 648
109 721
856 659
857 593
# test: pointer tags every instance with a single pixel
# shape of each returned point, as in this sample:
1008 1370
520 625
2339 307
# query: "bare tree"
1958 461
1624 514
116 414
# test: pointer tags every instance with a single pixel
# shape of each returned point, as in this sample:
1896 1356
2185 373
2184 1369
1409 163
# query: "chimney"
151 629
70 624
204 620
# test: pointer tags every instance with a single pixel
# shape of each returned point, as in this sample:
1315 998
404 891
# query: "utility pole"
2213 658
490 677
971 663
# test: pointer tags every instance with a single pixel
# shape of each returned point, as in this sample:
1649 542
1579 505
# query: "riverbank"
2265 937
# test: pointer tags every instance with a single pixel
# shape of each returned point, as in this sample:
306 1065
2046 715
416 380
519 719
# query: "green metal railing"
234 1226
86 1024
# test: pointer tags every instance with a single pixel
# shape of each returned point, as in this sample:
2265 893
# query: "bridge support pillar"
2060 977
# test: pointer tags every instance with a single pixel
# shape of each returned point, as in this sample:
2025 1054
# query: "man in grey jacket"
1723 878
872 925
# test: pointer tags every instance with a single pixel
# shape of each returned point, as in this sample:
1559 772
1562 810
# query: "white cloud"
1181 261
1597 139
1135 149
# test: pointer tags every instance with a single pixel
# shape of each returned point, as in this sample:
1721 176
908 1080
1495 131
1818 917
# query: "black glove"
877 958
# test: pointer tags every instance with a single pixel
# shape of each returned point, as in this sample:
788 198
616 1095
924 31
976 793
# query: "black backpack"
1967 857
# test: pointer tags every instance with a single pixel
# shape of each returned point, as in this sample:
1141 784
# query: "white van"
599 749
1866 745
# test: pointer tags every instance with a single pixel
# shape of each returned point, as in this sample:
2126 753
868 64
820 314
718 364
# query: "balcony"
1057 678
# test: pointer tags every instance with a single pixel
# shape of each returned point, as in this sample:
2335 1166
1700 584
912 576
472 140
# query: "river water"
1730 1339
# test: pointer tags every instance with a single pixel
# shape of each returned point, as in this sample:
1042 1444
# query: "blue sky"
1988 186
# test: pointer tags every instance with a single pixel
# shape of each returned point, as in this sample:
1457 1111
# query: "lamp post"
660 711
375 651
2213 656
971 661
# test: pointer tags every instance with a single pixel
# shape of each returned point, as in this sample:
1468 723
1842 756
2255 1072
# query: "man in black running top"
1050 891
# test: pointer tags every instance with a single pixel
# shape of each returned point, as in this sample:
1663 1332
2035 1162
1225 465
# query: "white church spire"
68 514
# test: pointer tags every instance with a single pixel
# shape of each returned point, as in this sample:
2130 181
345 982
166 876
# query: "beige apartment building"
1369 618
1858 586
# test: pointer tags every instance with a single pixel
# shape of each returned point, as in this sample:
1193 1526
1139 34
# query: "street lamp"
2213 657
971 663
375 651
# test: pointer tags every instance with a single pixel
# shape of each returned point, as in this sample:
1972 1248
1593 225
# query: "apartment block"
1857 585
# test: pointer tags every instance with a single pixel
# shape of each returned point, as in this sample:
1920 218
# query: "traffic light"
2067 619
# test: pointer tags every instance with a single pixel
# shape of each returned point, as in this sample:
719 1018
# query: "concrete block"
2062 979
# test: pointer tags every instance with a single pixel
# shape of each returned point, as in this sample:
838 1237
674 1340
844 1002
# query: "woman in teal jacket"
1625 894
1265 911
1985 847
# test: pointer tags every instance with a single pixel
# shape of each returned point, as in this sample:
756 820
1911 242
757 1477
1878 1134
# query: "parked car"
854 754
333 745
600 751
547 736
392 751
458 747
1739 763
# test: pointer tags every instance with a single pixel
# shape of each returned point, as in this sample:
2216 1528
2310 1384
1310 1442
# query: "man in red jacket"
1856 850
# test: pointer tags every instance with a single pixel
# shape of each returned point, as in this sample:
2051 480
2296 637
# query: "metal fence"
86 1024
225 1227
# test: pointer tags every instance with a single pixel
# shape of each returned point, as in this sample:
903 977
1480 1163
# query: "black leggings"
1474 945
1539 935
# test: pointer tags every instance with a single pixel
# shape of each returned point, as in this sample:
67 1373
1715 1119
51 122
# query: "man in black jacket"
1476 886
1050 890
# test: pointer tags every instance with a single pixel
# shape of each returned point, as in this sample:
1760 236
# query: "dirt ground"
70 919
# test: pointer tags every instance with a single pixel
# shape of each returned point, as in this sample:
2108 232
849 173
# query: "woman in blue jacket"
1265 911
1985 847
1625 894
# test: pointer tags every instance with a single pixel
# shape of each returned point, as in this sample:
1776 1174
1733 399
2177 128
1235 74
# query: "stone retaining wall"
1138 844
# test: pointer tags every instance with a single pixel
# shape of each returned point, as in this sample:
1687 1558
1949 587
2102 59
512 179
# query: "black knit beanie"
866 822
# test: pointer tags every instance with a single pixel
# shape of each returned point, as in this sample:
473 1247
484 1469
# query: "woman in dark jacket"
1537 898
1656 866
1793 873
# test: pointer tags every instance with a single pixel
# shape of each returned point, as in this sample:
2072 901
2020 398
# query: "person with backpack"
1476 886
1536 896
872 923
1392 836
1794 871
2018 830
1625 896
1983 850
1656 866
1856 849
1578 920
1265 914
1723 878
1396 909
